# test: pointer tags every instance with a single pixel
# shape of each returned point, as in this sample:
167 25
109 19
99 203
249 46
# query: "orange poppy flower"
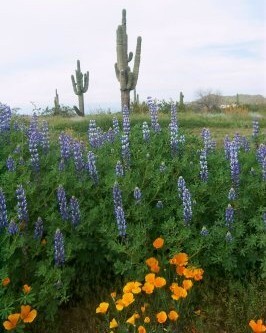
141 329
132 319
26 314
147 320
180 259
26 289
187 284
173 315
148 288
257 327
158 243
5 281
161 317
127 299
159 282
132 287
177 291
150 278
12 321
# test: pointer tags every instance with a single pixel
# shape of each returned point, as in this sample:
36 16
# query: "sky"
187 46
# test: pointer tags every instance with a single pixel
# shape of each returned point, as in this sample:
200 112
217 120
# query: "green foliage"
95 254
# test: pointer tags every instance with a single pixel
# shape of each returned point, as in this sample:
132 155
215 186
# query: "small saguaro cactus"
127 78
56 103
80 86
136 97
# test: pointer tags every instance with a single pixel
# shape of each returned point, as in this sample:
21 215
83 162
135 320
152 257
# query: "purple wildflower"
78 155
12 228
10 164
3 211
181 185
119 171
22 210
137 194
93 134
207 142
33 148
74 211
232 194
121 222
174 115
45 136
227 147
204 231
264 169
126 120
125 151
59 249
91 167
153 114
229 216
38 229
228 237
116 126
117 195
256 128
62 202
5 118
65 142
203 166
173 138
234 164
261 153
187 206
145 131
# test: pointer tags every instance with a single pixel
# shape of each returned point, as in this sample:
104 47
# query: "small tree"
208 100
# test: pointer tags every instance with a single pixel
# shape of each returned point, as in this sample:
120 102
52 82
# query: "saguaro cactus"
56 103
80 86
127 78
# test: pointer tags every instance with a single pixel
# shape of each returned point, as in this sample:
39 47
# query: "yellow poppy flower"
113 323
132 319
12 321
102 308
147 320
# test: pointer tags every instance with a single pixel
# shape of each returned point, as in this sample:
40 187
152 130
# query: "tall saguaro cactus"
127 78
56 103
80 86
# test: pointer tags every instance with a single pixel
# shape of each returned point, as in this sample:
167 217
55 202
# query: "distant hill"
244 99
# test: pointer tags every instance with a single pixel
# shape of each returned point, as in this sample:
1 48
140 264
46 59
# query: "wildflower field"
133 223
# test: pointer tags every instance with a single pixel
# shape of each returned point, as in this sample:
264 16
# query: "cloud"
187 45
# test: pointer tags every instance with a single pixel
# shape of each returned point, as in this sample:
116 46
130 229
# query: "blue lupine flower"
261 153
153 114
93 134
22 210
125 151
204 231
109 136
5 118
3 211
237 139
232 194
162 167
78 155
245 144
182 139
33 127
59 249
207 142
234 164
10 164
126 120
45 144
187 206
74 211
264 169
173 138
119 170
145 131
229 216
65 142
12 228
38 228
181 185
159 204
228 237
203 166
174 115
33 144
62 202
116 126
17 150
137 194
121 222
256 128
91 167
117 195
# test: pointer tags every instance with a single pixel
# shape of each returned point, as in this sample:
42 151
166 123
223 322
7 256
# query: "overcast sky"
187 45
